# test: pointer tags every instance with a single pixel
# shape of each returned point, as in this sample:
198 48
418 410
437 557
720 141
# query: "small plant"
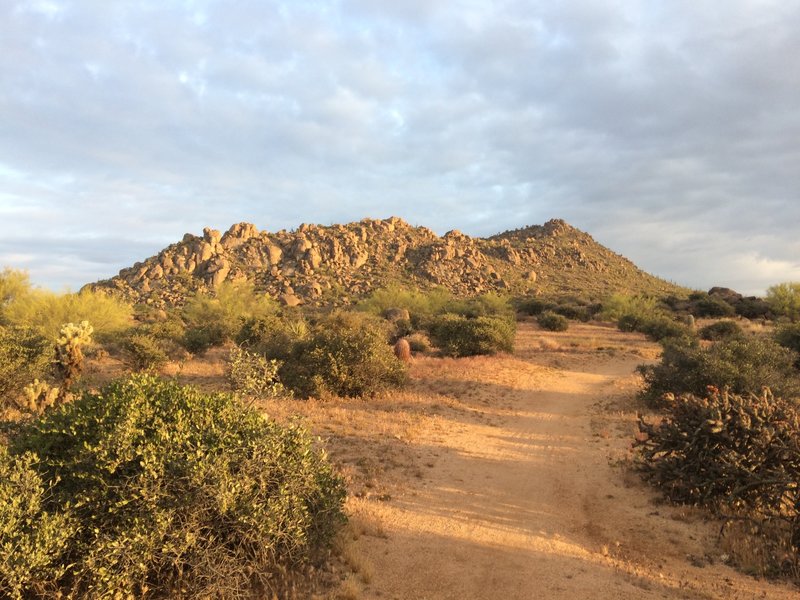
721 330
660 328
419 342
151 489
251 374
38 396
456 335
552 321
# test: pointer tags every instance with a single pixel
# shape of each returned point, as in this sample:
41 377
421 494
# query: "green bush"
32 540
345 354
534 306
274 336
145 352
213 320
457 335
620 305
788 336
704 305
421 305
165 492
737 454
660 328
419 342
784 300
552 321
25 355
721 330
741 365
252 374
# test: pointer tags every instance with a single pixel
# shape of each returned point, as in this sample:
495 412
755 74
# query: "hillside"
335 264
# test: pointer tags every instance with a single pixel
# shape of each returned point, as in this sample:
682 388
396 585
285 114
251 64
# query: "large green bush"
153 490
457 335
784 300
741 365
274 336
552 321
345 354
25 355
252 374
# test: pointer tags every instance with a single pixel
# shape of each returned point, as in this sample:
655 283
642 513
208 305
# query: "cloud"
667 131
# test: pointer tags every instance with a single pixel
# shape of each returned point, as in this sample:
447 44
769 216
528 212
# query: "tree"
784 299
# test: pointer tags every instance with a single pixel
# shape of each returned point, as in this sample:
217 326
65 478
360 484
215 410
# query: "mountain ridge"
336 264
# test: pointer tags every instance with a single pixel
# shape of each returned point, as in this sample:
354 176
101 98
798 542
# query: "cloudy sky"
669 130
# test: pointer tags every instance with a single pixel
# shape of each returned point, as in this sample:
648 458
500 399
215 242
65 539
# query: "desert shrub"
166 492
552 321
783 300
788 336
738 454
752 307
620 305
419 342
457 335
32 540
421 305
274 336
704 305
145 352
573 312
346 354
213 320
742 365
534 306
485 305
47 312
252 374
15 286
660 328
25 355
629 322
721 330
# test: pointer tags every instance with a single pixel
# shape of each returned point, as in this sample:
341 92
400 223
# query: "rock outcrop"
319 265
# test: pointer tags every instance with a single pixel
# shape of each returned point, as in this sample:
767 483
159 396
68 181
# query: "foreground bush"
150 489
739 454
346 354
456 335
741 365
552 321
24 356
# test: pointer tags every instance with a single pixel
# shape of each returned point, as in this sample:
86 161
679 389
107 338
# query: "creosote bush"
721 330
252 374
742 365
25 355
457 335
738 454
552 321
345 354
153 490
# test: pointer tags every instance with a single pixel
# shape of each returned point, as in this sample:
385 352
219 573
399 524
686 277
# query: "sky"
668 130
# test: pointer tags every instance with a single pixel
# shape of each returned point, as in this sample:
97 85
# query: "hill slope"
334 264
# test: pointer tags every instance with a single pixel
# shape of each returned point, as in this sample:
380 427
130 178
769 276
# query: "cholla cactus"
69 356
38 396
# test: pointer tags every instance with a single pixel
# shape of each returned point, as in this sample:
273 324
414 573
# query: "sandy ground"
512 484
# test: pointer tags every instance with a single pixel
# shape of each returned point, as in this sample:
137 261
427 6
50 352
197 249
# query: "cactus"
38 396
69 354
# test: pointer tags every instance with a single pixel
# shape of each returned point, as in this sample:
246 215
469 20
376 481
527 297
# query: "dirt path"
518 495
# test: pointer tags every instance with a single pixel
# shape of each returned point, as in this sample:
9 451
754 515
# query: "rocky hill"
336 264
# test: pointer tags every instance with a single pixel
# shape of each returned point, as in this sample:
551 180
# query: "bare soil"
509 477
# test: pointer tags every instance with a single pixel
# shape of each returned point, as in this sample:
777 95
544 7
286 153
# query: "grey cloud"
667 130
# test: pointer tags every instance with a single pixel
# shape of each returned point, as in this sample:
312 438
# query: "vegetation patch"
153 490
738 454
721 330
552 321
457 335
